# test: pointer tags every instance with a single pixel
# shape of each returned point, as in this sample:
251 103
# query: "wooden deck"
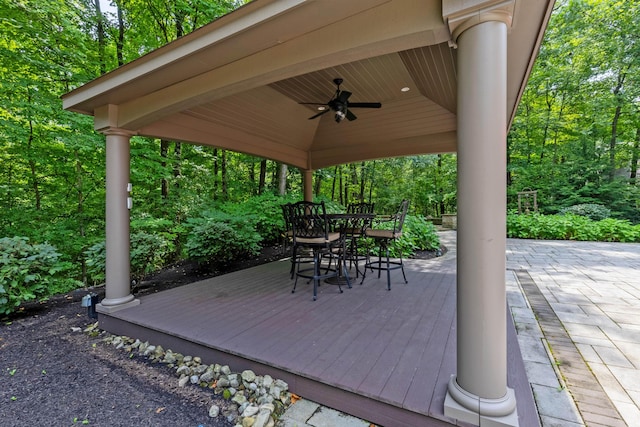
384 356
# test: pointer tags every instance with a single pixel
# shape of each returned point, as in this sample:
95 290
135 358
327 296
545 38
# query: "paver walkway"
576 306
586 300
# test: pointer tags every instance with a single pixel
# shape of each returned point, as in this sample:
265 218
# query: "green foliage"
264 212
571 227
418 234
30 272
574 138
616 230
149 252
217 242
592 211
96 256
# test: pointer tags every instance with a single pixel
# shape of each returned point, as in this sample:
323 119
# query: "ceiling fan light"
340 115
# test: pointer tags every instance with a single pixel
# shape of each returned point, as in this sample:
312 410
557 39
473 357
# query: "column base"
111 308
463 406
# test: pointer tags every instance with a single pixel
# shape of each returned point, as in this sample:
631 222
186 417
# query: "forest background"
575 140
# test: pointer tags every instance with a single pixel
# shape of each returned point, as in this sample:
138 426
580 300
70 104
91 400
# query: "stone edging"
260 400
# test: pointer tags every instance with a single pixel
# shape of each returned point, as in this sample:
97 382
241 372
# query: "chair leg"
402 268
364 271
295 283
345 272
316 272
293 261
367 263
380 256
388 270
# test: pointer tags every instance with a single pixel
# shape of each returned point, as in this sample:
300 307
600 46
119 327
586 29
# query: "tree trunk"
317 185
101 36
556 130
263 176
333 184
439 190
120 39
282 183
223 171
549 102
363 179
613 142
252 176
352 183
373 177
340 186
216 169
177 164
164 154
614 126
35 183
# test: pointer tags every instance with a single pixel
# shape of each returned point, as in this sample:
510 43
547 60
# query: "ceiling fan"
340 104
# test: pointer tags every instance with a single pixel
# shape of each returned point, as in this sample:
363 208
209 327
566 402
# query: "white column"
118 286
478 393
307 182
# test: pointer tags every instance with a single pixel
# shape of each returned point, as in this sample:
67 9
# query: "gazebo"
449 75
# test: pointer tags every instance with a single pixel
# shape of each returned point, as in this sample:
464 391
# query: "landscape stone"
214 411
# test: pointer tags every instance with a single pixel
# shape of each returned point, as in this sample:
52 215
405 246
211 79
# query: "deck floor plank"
376 348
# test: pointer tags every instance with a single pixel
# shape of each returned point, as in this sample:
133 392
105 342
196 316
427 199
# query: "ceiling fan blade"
319 114
344 95
350 116
365 105
313 103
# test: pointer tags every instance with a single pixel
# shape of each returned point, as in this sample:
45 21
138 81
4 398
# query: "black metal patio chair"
354 230
311 230
385 236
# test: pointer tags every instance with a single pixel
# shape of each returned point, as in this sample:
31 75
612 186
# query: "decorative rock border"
259 400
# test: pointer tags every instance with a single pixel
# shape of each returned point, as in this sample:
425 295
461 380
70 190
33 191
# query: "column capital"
460 15
116 131
105 121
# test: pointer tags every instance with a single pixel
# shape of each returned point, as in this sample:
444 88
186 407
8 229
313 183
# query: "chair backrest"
398 220
286 214
356 226
360 208
309 220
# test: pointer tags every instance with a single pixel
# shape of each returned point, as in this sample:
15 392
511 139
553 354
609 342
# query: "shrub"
571 227
149 252
592 211
617 230
96 257
30 272
418 234
263 211
219 243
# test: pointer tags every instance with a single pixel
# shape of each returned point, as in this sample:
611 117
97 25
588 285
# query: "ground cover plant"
571 227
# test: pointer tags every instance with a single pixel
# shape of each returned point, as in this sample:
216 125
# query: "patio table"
344 222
